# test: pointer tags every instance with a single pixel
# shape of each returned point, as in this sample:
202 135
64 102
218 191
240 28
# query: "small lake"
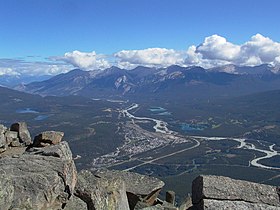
157 109
41 117
26 110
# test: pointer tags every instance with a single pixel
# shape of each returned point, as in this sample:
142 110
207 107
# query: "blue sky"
32 30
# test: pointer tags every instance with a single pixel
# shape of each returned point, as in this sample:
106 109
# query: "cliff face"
41 174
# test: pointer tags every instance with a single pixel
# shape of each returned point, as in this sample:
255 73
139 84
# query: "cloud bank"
16 67
153 57
84 60
214 51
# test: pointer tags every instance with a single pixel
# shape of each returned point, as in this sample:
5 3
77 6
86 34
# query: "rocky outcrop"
170 197
217 192
101 193
34 181
43 176
2 138
47 138
210 204
23 133
17 136
139 188
75 203
34 178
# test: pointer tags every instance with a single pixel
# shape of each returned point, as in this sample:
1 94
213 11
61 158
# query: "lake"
26 110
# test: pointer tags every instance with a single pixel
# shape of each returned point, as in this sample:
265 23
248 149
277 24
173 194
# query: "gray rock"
61 151
139 187
101 193
163 206
156 207
75 203
15 143
2 129
170 197
47 138
11 136
38 182
23 133
3 149
2 140
224 188
6 190
225 205
135 183
186 204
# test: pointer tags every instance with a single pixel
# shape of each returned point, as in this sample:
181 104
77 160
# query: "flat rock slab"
135 183
101 193
224 188
226 205
61 151
139 188
75 203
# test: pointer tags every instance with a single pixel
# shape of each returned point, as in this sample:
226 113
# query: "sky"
55 36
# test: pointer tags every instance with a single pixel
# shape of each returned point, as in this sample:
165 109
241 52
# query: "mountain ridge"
116 82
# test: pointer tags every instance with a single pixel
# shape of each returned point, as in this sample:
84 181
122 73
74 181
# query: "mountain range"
16 80
192 82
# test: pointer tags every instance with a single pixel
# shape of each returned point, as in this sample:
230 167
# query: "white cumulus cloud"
84 60
217 51
259 50
218 48
159 57
214 51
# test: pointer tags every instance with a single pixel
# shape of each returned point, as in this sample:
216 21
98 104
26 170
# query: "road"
165 156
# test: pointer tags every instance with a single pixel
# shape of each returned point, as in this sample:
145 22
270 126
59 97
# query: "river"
161 126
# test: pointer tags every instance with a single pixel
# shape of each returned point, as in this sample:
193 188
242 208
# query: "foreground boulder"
36 181
100 193
217 192
139 188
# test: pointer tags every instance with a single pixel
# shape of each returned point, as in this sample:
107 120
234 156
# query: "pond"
26 110
164 113
41 117
157 109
